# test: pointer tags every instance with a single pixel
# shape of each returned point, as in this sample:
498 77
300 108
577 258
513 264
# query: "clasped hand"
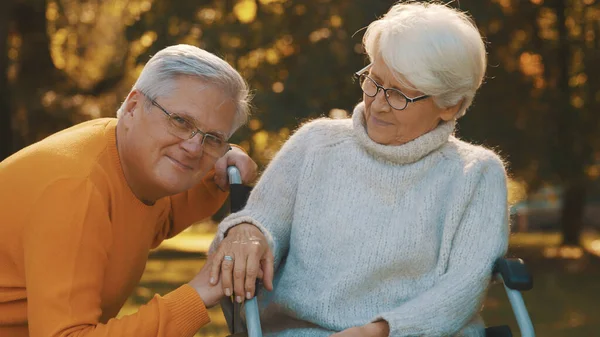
242 257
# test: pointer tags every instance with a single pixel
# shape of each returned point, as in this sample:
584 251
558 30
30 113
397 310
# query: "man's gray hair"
432 46
186 60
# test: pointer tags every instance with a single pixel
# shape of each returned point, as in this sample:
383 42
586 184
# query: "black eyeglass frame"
363 74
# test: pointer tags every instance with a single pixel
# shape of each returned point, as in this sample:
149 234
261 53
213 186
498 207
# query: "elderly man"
82 208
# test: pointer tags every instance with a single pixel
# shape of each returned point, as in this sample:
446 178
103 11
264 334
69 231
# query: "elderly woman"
385 223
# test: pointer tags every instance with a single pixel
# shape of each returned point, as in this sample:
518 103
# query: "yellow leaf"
336 21
245 10
277 87
272 56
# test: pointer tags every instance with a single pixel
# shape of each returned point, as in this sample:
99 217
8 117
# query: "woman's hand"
375 329
241 258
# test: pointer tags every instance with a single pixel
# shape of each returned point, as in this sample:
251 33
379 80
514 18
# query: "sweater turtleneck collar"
400 154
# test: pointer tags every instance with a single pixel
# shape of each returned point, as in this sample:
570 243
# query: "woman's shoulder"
324 130
471 155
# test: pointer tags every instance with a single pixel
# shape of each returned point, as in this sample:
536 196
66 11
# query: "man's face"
156 157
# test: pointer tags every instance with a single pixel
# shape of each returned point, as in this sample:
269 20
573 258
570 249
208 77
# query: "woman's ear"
450 113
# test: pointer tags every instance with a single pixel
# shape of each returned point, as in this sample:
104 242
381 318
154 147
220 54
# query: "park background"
66 61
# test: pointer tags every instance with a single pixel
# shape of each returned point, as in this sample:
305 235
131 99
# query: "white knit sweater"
362 231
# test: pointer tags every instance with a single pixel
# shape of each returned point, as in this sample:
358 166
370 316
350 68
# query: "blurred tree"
73 60
35 79
298 56
543 55
570 141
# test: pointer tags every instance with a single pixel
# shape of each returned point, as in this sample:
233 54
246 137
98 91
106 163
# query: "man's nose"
194 146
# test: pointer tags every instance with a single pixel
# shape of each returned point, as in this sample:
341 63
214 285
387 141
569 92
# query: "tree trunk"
36 74
6 134
572 213
570 157
34 57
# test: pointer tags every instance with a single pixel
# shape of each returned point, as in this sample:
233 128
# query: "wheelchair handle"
235 178
238 198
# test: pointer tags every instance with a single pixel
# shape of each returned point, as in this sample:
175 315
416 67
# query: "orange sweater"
74 241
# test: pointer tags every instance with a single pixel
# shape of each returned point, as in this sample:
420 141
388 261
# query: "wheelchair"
512 273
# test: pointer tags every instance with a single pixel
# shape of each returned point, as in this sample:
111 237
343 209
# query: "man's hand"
375 329
210 294
241 160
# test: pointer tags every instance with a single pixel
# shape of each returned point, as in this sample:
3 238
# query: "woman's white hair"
431 48
186 60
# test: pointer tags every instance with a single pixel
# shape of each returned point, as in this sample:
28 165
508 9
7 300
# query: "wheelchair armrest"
514 274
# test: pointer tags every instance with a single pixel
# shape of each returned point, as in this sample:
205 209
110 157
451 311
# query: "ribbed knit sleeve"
66 246
481 238
270 206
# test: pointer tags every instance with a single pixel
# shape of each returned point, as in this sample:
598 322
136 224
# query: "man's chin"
174 182
174 185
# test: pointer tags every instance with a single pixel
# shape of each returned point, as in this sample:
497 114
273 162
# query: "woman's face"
388 126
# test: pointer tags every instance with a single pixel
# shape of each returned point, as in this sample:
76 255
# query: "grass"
565 300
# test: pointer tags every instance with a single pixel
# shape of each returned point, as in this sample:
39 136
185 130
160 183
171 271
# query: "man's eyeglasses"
180 127
395 98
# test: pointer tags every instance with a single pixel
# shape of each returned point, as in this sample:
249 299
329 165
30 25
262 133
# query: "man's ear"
133 100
